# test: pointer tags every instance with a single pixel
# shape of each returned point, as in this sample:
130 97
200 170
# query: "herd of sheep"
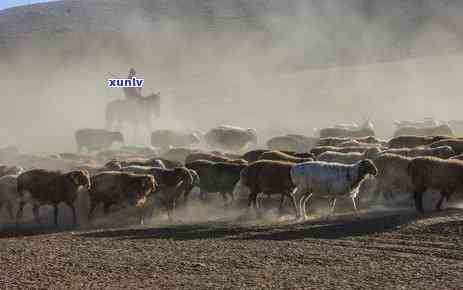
344 161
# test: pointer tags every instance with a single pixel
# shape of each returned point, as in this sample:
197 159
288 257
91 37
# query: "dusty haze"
276 67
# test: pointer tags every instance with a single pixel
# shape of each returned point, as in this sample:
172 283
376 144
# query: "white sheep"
323 179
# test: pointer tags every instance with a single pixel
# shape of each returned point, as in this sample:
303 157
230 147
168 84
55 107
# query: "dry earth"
388 250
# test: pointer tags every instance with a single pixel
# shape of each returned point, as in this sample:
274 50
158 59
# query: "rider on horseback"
132 93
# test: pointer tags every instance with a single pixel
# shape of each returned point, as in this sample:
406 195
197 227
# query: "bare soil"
388 250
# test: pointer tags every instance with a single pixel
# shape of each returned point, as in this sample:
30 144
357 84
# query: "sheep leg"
252 199
186 196
354 205
35 211
55 214
141 220
282 200
442 196
202 195
225 199
418 195
293 202
74 214
172 209
19 214
302 197
304 206
332 205
93 206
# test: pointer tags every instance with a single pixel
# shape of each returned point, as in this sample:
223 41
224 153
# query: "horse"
139 113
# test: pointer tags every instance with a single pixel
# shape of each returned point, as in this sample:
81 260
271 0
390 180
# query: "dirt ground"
387 250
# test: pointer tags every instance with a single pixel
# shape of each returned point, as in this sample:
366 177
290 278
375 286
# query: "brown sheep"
442 130
411 141
458 157
392 175
443 152
96 139
214 158
443 175
254 155
456 144
111 188
10 170
268 177
217 177
346 133
179 154
280 156
172 184
227 154
40 187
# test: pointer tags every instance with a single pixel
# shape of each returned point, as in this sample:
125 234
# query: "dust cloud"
277 67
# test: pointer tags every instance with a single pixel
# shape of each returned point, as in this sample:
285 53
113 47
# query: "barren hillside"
323 61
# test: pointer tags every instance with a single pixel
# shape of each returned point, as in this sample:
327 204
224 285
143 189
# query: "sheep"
76 157
254 155
456 144
443 152
40 187
427 122
106 155
117 164
457 157
340 132
348 158
168 138
116 188
10 170
332 141
411 141
360 149
320 178
337 141
178 154
230 138
227 154
392 175
268 177
172 183
141 150
8 192
96 139
457 126
292 142
280 156
217 177
443 130
443 175
214 158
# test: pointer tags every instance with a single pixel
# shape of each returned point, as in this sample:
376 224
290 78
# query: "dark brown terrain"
388 251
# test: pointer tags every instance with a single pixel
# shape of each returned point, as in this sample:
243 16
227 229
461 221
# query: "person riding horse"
132 93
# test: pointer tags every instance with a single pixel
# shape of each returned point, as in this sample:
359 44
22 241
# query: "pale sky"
12 3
